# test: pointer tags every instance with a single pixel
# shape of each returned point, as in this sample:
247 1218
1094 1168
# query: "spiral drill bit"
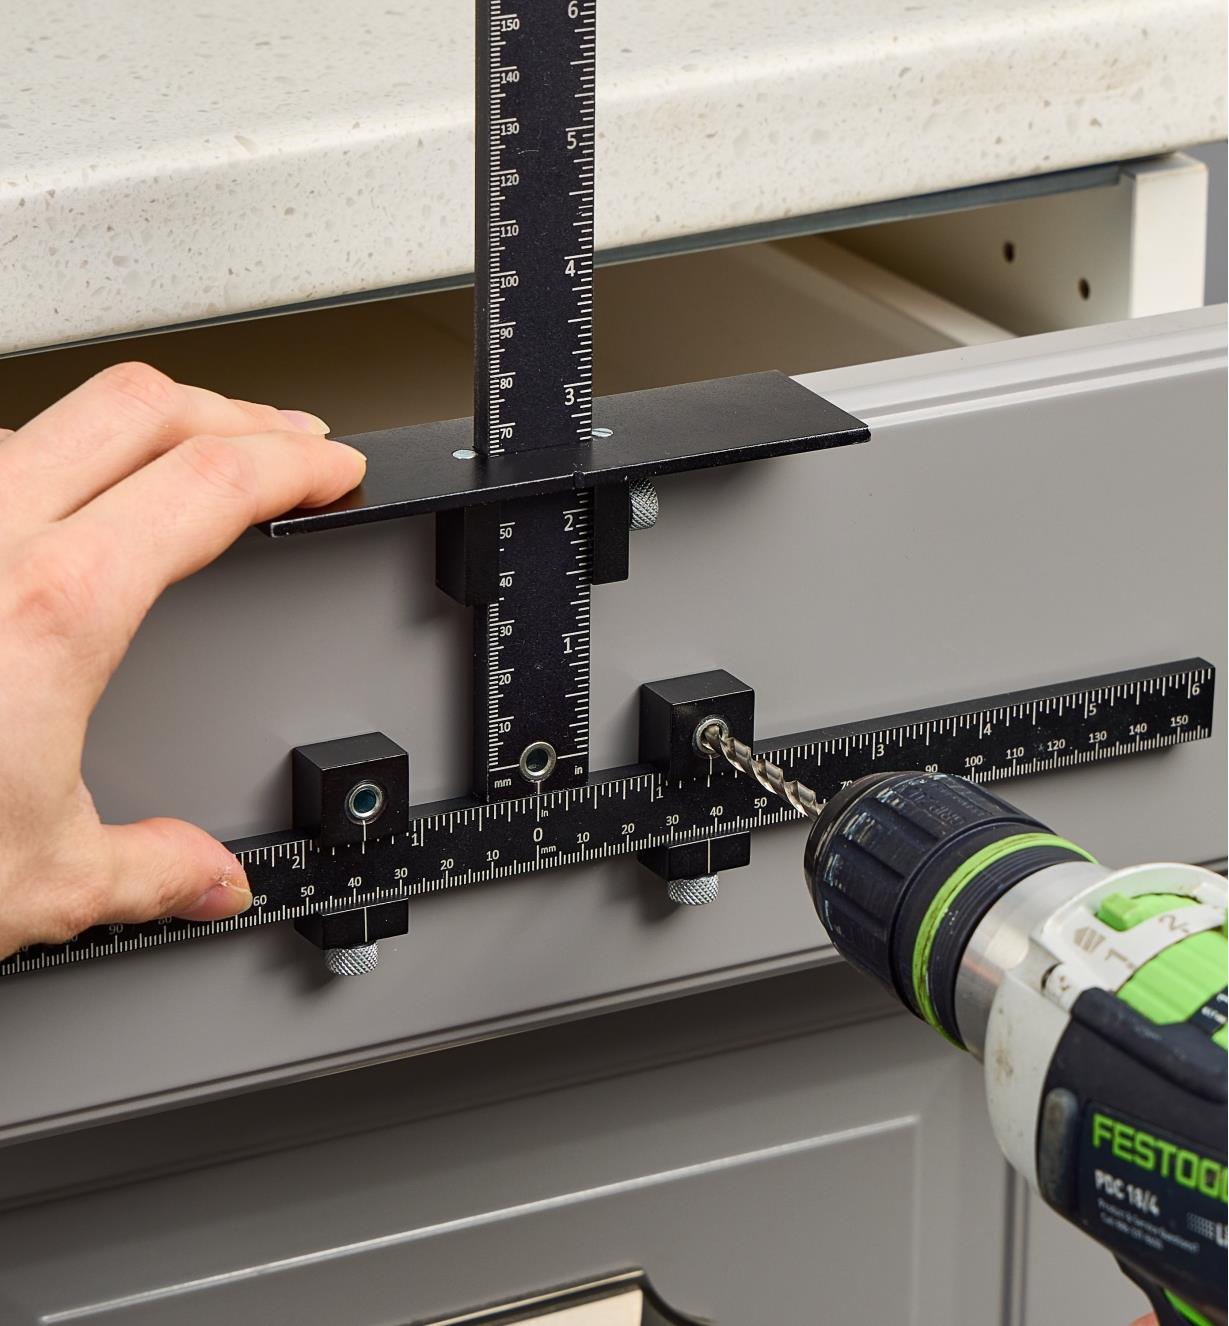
715 739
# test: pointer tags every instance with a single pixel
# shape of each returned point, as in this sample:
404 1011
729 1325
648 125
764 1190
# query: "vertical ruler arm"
533 384
533 242
531 651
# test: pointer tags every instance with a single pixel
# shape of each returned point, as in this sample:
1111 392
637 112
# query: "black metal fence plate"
665 430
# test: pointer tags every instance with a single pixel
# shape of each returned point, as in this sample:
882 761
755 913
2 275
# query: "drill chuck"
902 869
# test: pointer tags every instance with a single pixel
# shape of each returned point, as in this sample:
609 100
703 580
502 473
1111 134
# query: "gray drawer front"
839 1174
1025 512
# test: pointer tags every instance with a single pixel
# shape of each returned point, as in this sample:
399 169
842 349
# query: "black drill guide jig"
675 809
531 499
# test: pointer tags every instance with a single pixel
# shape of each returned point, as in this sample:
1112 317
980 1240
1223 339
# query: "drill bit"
715 739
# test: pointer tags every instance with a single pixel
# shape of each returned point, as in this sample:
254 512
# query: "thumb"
165 867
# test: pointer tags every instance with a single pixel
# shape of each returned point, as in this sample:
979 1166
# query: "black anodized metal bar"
463 842
533 391
533 240
662 430
531 651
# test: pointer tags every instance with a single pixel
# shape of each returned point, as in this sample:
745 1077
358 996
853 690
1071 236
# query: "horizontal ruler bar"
456 843
665 430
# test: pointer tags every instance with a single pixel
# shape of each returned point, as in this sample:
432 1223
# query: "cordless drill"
1095 999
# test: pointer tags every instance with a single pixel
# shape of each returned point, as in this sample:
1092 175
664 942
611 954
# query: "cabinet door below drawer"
838 1175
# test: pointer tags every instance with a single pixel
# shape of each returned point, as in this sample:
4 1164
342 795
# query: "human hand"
123 487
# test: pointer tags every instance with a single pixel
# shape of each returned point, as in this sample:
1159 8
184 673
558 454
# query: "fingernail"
358 455
302 422
223 900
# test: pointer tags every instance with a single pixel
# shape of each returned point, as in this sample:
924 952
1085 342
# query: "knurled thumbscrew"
355 961
693 892
645 504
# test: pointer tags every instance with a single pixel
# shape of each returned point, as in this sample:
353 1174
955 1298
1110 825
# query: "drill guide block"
359 925
711 856
671 711
348 790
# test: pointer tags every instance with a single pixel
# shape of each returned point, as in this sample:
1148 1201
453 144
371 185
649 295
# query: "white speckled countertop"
168 160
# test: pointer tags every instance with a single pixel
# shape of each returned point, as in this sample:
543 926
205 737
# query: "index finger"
178 513
108 427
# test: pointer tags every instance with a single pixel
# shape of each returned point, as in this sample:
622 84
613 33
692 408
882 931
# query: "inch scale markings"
533 382
531 658
536 103
457 844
